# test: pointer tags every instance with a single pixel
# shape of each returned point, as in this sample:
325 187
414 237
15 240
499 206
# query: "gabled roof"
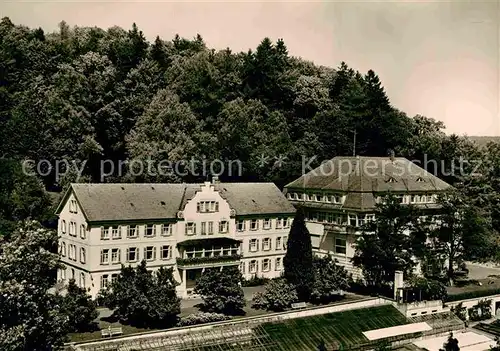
113 202
362 178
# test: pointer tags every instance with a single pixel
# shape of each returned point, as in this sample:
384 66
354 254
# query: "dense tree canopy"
90 94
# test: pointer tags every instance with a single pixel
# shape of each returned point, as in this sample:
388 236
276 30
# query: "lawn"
335 329
127 329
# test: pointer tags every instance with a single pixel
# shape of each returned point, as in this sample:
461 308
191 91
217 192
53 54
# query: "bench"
109 332
298 305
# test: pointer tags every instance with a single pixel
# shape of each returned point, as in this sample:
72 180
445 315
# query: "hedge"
472 294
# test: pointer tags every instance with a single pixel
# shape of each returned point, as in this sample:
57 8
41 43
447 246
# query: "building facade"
190 227
342 194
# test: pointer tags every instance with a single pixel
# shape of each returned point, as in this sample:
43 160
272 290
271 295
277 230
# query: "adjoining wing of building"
189 227
341 195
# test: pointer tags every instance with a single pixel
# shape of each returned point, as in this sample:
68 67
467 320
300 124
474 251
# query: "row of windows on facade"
412 199
253 268
206 228
337 199
266 266
355 220
315 197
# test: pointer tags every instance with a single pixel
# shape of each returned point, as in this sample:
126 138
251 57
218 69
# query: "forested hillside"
92 94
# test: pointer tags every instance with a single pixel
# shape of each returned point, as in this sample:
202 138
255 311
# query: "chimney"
398 283
215 179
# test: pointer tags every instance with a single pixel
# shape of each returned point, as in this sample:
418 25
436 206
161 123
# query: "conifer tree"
298 261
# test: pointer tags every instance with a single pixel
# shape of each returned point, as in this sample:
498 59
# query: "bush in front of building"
298 261
278 296
81 310
481 311
202 317
329 279
429 289
221 290
255 280
144 299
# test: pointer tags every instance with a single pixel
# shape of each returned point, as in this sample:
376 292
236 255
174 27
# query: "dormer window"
391 180
420 180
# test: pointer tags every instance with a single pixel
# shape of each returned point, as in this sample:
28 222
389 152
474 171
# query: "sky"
435 58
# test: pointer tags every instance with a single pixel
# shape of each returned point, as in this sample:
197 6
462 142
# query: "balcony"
206 261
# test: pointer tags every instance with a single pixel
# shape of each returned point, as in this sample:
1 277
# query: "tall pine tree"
298 261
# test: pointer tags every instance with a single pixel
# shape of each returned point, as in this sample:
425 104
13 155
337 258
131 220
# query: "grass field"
336 329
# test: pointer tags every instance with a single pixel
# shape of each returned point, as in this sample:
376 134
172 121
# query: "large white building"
342 194
189 227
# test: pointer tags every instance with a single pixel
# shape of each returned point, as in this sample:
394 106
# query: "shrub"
431 289
255 281
329 278
80 309
278 296
203 317
221 291
460 311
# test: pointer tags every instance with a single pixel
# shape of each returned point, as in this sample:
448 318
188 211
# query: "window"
352 220
340 246
266 265
82 280
104 281
203 228
253 245
149 253
190 228
252 267
266 244
105 256
210 228
72 252
116 232
63 226
63 274
83 233
278 243
104 233
166 252
277 264
82 255
150 230
223 227
63 249
115 256
285 241
72 273
166 229
279 223
391 180
321 216
254 224
361 220
240 225
207 206
267 223
420 180
287 223
114 277
72 228
242 267
133 231
132 255
369 217
73 208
